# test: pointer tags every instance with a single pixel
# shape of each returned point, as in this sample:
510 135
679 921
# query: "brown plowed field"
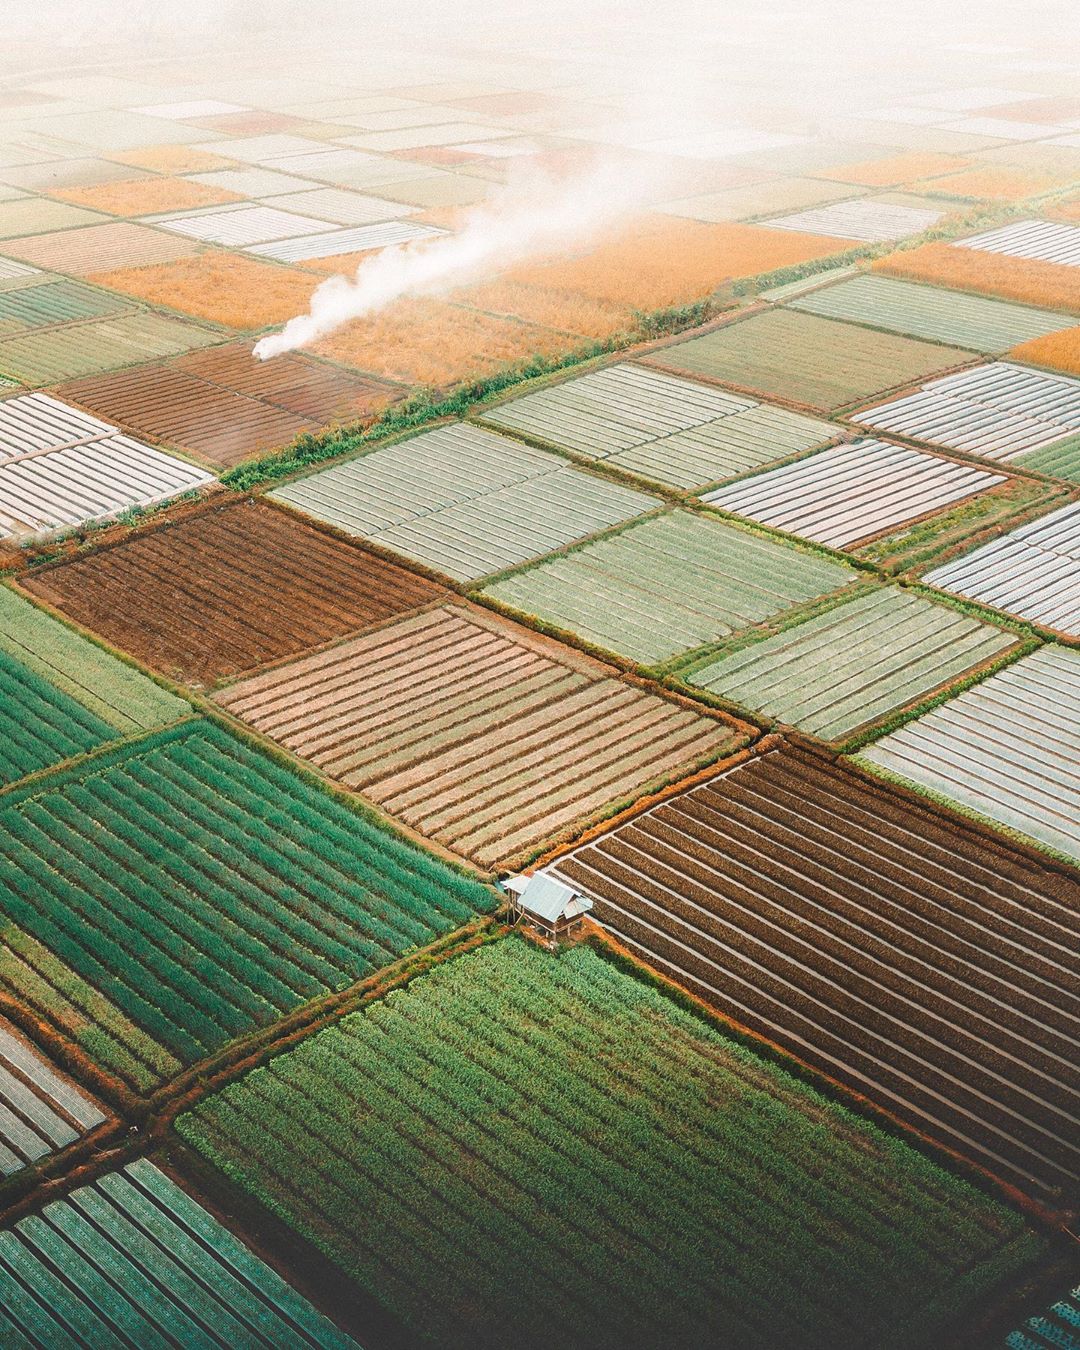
228 590
910 956
168 405
299 385
478 734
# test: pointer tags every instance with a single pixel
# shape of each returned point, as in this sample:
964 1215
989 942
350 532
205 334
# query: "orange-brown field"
1058 351
662 261
145 196
1068 209
993 184
895 170
1034 283
549 308
431 342
224 288
170 159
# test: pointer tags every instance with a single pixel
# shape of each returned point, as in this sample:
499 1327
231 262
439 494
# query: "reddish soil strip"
256 123
295 383
480 735
899 950
228 590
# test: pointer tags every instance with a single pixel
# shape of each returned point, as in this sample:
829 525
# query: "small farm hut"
550 908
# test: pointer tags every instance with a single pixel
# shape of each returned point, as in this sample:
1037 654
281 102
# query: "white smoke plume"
533 214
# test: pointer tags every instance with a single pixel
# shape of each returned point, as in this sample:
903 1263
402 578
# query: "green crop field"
39 725
168 896
527 1150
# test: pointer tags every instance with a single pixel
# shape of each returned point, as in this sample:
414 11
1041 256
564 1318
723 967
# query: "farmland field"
41 1112
511 1111
803 359
218 593
179 892
854 664
660 427
669 584
910 956
1008 748
478 734
1050 1329
133 1260
1025 280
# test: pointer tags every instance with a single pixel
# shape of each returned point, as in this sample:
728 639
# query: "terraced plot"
464 501
41 1112
1037 240
801 358
999 411
510 1110
854 664
867 220
1009 748
60 468
971 321
669 584
114 692
227 590
850 493
174 894
659 426
480 735
909 955
133 1260
51 355
1033 572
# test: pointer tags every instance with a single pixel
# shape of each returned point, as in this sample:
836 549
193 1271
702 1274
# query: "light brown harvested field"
227 590
550 309
37 216
171 159
1051 285
664 260
1000 183
1048 108
483 736
1067 209
224 288
100 248
145 196
447 189
432 342
253 123
895 170
292 381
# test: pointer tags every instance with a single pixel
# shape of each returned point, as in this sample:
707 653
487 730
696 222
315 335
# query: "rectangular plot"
855 664
850 493
207 890
867 220
107 687
55 302
659 426
138 1254
970 321
252 182
237 226
39 724
35 216
41 1112
179 409
330 245
413 478
56 354
804 359
895 947
227 590
669 584
343 208
1008 748
603 1077
999 411
1033 572
100 248
477 734
1037 240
